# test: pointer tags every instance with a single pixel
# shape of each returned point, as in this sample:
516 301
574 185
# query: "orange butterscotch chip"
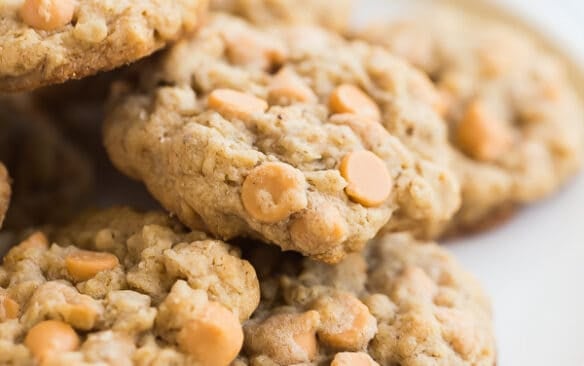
10 308
302 327
274 191
304 332
50 337
233 103
336 331
84 265
47 14
308 343
353 359
369 182
214 338
481 135
350 336
350 99
287 86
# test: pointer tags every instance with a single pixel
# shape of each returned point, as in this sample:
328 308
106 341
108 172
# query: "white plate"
533 267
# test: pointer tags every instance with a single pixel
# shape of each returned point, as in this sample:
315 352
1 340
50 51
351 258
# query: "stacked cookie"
301 169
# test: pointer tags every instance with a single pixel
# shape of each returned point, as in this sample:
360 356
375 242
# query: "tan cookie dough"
51 41
331 14
514 116
120 287
52 178
403 302
279 134
5 192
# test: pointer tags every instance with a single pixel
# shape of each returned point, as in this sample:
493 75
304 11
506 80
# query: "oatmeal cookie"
51 41
52 178
331 14
403 302
514 117
5 192
119 287
286 134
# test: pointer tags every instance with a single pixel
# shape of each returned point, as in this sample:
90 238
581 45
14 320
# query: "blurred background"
533 267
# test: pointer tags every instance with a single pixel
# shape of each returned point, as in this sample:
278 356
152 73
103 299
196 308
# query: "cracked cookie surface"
331 14
402 302
51 41
51 177
125 288
514 116
286 134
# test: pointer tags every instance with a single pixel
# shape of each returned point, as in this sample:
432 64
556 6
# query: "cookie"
125 288
402 302
279 134
331 14
514 117
50 41
5 192
52 178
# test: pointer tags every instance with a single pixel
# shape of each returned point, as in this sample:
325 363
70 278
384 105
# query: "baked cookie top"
402 303
278 133
125 288
514 116
51 41
52 178
330 14
5 192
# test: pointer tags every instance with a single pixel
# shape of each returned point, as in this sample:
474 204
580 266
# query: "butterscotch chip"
51 41
198 131
175 296
481 136
10 308
60 300
47 14
307 342
214 338
400 302
351 99
359 325
368 181
513 113
48 338
83 265
236 104
273 191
